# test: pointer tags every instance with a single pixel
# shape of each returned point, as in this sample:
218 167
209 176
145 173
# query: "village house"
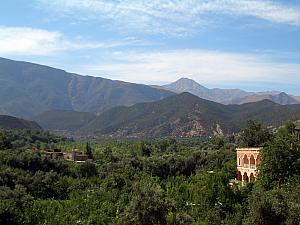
75 155
54 153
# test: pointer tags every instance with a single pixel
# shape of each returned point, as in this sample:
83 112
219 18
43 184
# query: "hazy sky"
249 44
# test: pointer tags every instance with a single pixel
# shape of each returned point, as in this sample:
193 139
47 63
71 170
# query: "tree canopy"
253 135
183 181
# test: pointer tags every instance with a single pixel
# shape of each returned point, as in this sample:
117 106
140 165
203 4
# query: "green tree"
263 212
4 141
88 151
145 149
276 206
253 135
13 202
288 128
87 169
211 198
147 207
108 154
280 160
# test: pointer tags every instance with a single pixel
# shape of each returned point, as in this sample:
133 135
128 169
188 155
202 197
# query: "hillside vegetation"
182 115
152 182
10 122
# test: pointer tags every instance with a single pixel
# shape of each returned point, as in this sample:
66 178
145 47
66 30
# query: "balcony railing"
251 166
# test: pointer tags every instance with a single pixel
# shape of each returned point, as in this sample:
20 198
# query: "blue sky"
248 44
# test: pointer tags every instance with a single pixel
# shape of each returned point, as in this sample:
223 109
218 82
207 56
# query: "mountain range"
228 96
28 89
85 105
182 115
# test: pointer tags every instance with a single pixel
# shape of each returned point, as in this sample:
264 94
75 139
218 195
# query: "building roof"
249 149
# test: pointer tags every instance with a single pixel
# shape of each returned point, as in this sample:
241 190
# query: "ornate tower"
248 160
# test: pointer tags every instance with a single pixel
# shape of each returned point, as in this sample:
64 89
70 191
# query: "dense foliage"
253 135
161 181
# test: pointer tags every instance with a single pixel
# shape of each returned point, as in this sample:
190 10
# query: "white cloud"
178 17
23 40
207 67
30 41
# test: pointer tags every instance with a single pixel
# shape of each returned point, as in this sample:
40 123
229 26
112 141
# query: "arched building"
297 129
248 160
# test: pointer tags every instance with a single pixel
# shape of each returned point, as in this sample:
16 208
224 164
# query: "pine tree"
88 151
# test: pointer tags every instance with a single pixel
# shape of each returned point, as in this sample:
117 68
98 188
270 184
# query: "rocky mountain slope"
182 115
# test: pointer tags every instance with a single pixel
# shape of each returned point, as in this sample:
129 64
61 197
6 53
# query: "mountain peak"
185 85
283 94
229 96
187 81
285 99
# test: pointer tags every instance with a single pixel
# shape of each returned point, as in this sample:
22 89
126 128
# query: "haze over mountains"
28 89
83 105
228 96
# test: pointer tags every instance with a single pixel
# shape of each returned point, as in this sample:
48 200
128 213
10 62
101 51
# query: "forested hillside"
10 122
159 181
182 115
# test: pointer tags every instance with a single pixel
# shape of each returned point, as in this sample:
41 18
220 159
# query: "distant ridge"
229 96
10 122
280 98
217 95
28 90
182 115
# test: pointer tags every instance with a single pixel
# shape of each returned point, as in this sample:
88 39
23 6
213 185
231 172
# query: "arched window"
252 162
239 176
252 178
245 161
257 161
245 177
